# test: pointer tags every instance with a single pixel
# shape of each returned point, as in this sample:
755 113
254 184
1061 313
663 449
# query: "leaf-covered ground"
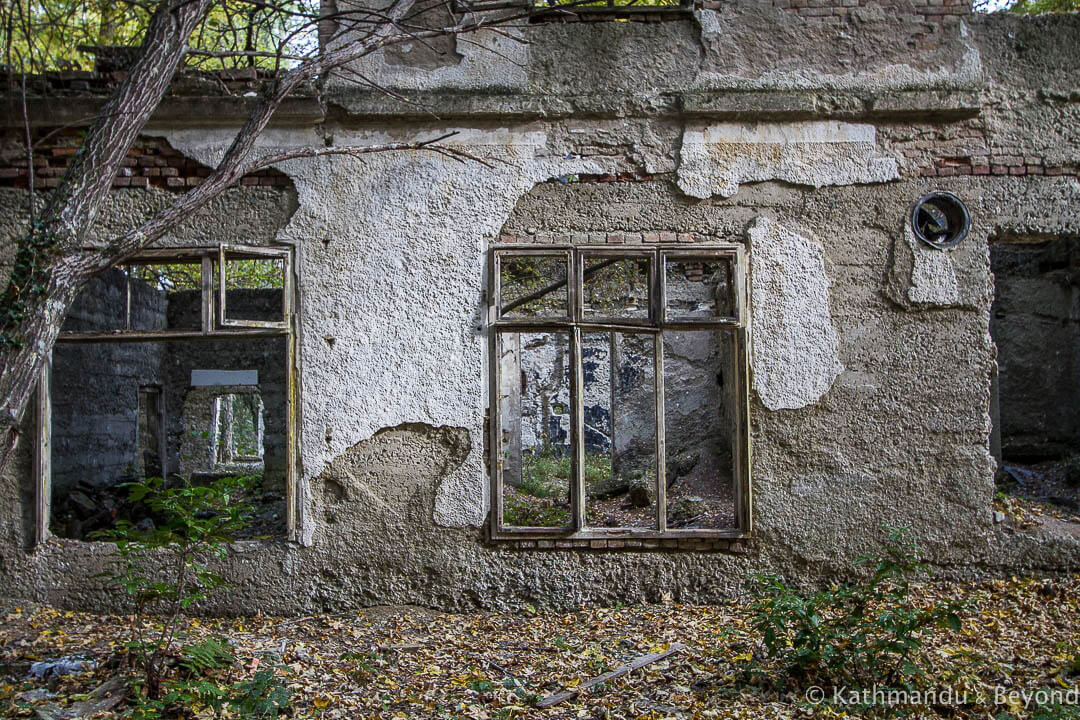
1018 636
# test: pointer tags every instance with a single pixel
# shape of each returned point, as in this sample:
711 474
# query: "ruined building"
740 285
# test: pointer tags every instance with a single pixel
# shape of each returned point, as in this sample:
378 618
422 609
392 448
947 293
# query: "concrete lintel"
208 378
198 111
795 105
204 111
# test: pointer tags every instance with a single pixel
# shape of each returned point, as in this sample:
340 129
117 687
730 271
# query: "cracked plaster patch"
716 158
794 348
922 276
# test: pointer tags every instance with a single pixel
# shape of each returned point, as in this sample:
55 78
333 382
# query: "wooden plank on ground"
635 664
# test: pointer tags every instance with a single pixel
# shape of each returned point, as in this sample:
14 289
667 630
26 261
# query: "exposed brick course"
150 163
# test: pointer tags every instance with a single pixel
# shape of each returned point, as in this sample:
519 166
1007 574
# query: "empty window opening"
1035 324
618 393
239 430
151 432
252 294
161 388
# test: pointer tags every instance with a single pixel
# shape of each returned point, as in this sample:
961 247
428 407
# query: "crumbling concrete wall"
870 352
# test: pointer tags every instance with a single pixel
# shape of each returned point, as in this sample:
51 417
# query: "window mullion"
577 395
495 451
43 454
127 298
741 446
661 479
208 294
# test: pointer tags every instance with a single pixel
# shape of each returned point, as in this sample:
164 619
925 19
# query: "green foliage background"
44 35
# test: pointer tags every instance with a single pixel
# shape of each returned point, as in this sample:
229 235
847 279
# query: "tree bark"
50 264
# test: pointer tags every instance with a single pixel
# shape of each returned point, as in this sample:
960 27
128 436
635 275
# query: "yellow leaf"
320 701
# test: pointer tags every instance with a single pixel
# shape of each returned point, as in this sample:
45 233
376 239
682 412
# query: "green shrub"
856 634
164 570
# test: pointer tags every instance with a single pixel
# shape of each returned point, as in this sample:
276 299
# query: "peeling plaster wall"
870 355
395 309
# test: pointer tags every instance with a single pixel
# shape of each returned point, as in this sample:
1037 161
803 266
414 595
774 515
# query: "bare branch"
358 150
29 148
243 53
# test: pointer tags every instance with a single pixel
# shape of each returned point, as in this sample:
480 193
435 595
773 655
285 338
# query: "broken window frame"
654 307
228 252
209 260
575 324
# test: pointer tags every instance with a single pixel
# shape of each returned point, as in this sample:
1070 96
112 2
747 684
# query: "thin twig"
29 145
313 152
74 123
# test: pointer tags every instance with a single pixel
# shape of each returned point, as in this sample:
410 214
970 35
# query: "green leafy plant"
263 696
853 634
165 570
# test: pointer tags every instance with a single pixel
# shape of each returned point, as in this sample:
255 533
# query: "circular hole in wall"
940 219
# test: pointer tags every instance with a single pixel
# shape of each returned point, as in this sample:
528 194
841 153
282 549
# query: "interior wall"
1035 323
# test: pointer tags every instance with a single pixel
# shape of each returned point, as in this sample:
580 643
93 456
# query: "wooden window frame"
212 328
575 324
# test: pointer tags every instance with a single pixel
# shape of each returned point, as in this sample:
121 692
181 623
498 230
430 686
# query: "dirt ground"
1039 495
407 662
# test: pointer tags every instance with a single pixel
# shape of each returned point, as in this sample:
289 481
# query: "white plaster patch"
716 158
921 276
794 347
391 254
933 275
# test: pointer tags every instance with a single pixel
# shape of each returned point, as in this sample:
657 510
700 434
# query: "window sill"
736 544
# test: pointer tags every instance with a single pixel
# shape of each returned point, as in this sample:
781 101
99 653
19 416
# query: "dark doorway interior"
1035 323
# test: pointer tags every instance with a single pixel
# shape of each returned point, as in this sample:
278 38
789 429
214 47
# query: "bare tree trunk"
50 264
22 363
74 205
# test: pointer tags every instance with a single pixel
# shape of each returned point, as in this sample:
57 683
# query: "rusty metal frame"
584 254
207 257
495 297
736 326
